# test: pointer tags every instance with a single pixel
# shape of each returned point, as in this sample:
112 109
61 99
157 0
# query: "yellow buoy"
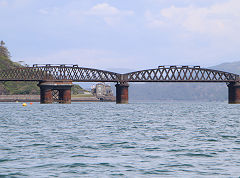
24 104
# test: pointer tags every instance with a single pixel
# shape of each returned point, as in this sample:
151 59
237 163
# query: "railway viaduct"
59 78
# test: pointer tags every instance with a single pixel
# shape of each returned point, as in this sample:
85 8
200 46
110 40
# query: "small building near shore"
102 90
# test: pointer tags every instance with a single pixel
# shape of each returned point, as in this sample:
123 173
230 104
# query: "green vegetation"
4 51
13 88
82 95
23 88
78 91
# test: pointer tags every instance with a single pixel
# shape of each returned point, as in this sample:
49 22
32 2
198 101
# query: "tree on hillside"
4 51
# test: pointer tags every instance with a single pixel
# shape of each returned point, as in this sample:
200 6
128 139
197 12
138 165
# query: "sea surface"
154 139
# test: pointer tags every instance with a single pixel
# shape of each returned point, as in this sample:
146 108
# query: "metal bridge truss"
79 74
181 74
58 73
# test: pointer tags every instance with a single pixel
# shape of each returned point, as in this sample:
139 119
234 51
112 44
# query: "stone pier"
122 93
55 91
234 93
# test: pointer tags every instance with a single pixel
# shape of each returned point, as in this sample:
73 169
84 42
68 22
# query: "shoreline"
36 98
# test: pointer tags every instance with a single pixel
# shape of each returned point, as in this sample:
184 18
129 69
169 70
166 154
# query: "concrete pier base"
122 93
48 92
234 93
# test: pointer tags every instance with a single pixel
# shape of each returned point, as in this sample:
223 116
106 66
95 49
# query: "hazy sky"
134 34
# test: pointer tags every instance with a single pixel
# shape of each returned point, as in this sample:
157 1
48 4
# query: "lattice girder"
56 73
81 74
181 74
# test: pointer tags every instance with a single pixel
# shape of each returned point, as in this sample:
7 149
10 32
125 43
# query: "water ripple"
109 140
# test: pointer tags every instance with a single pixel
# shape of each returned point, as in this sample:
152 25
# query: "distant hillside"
233 67
12 88
179 91
184 91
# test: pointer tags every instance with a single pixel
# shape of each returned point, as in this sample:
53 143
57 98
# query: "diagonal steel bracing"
80 74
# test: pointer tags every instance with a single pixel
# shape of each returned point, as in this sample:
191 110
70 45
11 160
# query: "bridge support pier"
58 91
46 95
234 93
122 93
65 96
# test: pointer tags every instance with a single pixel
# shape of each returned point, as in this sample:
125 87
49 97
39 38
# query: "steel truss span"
80 74
181 74
58 73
